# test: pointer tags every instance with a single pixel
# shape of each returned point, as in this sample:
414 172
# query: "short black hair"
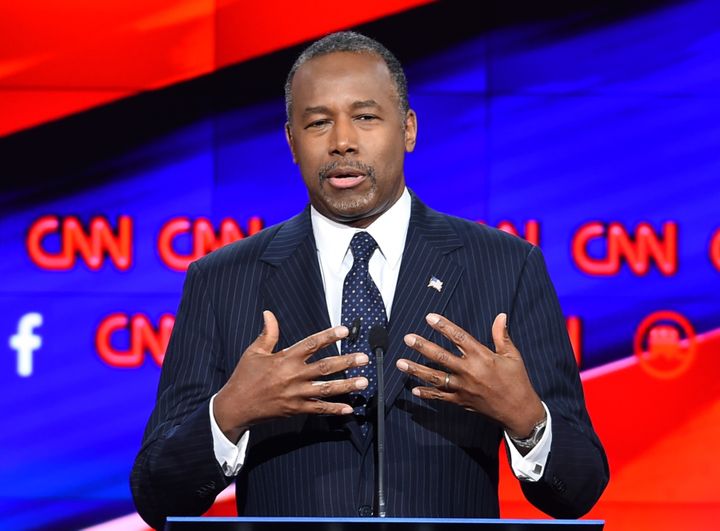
351 41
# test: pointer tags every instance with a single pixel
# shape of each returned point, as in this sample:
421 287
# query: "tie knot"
362 246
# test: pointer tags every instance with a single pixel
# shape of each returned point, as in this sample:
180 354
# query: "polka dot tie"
363 304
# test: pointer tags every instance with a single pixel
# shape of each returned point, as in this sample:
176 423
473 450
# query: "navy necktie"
363 307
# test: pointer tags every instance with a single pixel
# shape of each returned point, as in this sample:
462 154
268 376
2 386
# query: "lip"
344 178
346 181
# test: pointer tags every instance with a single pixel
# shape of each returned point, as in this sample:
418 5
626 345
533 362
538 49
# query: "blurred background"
138 136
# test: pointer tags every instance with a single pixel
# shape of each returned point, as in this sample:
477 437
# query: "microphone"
378 345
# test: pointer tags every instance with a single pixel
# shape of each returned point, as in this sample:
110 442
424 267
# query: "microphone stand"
381 431
378 343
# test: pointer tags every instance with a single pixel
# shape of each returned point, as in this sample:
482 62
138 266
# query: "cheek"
309 177
308 163
390 159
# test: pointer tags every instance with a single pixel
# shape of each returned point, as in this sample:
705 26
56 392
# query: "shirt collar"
389 231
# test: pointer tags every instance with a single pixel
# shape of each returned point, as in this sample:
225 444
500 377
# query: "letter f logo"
25 342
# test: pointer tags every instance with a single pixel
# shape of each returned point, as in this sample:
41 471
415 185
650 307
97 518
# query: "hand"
266 385
495 384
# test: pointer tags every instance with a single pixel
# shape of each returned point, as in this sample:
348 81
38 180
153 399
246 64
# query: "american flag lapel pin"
435 283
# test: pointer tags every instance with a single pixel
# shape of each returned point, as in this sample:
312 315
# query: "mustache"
366 169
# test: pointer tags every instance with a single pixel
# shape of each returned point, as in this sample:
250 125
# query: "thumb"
270 334
501 337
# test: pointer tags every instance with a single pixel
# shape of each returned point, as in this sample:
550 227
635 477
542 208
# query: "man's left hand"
495 384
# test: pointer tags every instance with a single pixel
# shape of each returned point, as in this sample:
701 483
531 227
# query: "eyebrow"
364 103
322 109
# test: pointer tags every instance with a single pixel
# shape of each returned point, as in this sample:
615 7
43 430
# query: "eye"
317 124
366 117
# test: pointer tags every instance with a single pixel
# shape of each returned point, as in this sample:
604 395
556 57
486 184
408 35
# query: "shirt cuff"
531 466
229 456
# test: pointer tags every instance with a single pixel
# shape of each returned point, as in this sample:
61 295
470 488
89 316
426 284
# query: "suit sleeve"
576 472
175 472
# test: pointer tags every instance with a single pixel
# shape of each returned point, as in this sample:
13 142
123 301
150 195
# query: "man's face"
346 134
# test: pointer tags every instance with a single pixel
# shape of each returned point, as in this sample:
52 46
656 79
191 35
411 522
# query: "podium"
178 523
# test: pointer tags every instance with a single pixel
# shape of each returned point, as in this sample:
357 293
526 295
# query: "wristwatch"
530 441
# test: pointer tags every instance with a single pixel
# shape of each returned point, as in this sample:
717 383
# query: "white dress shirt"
333 248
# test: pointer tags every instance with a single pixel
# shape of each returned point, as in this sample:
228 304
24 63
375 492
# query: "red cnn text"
639 251
92 244
139 336
204 238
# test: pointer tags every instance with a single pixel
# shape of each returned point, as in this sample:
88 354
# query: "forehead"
338 77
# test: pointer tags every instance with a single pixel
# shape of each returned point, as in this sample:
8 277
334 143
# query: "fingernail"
346 410
402 365
505 325
409 340
361 359
432 318
416 391
362 383
341 331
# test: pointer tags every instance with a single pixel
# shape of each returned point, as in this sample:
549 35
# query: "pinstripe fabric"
441 460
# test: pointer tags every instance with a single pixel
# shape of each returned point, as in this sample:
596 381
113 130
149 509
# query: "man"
289 411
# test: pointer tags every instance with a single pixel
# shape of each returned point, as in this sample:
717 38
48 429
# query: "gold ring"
447 381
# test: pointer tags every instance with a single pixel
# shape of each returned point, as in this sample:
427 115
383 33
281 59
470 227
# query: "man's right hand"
267 384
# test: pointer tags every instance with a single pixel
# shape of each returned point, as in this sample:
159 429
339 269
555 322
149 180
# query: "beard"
354 203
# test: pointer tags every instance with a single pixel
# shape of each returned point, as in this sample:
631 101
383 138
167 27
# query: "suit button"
365 511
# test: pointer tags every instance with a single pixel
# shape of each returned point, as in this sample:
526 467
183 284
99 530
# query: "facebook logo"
25 342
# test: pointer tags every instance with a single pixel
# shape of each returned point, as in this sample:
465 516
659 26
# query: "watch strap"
531 440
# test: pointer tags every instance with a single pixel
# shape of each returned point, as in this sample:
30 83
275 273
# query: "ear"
290 141
410 130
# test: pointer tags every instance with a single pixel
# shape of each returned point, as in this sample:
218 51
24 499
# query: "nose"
343 140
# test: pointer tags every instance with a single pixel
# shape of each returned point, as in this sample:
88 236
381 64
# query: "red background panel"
82 47
109 44
658 440
244 32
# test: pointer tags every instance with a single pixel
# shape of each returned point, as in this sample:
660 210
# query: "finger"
431 376
270 334
433 352
329 388
501 337
465 342
318 341
333 364
433 393
319 407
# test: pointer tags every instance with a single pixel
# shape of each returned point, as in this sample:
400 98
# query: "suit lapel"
294 290
295 293
427 254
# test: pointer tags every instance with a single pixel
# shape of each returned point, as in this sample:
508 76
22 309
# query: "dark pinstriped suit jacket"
442 461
